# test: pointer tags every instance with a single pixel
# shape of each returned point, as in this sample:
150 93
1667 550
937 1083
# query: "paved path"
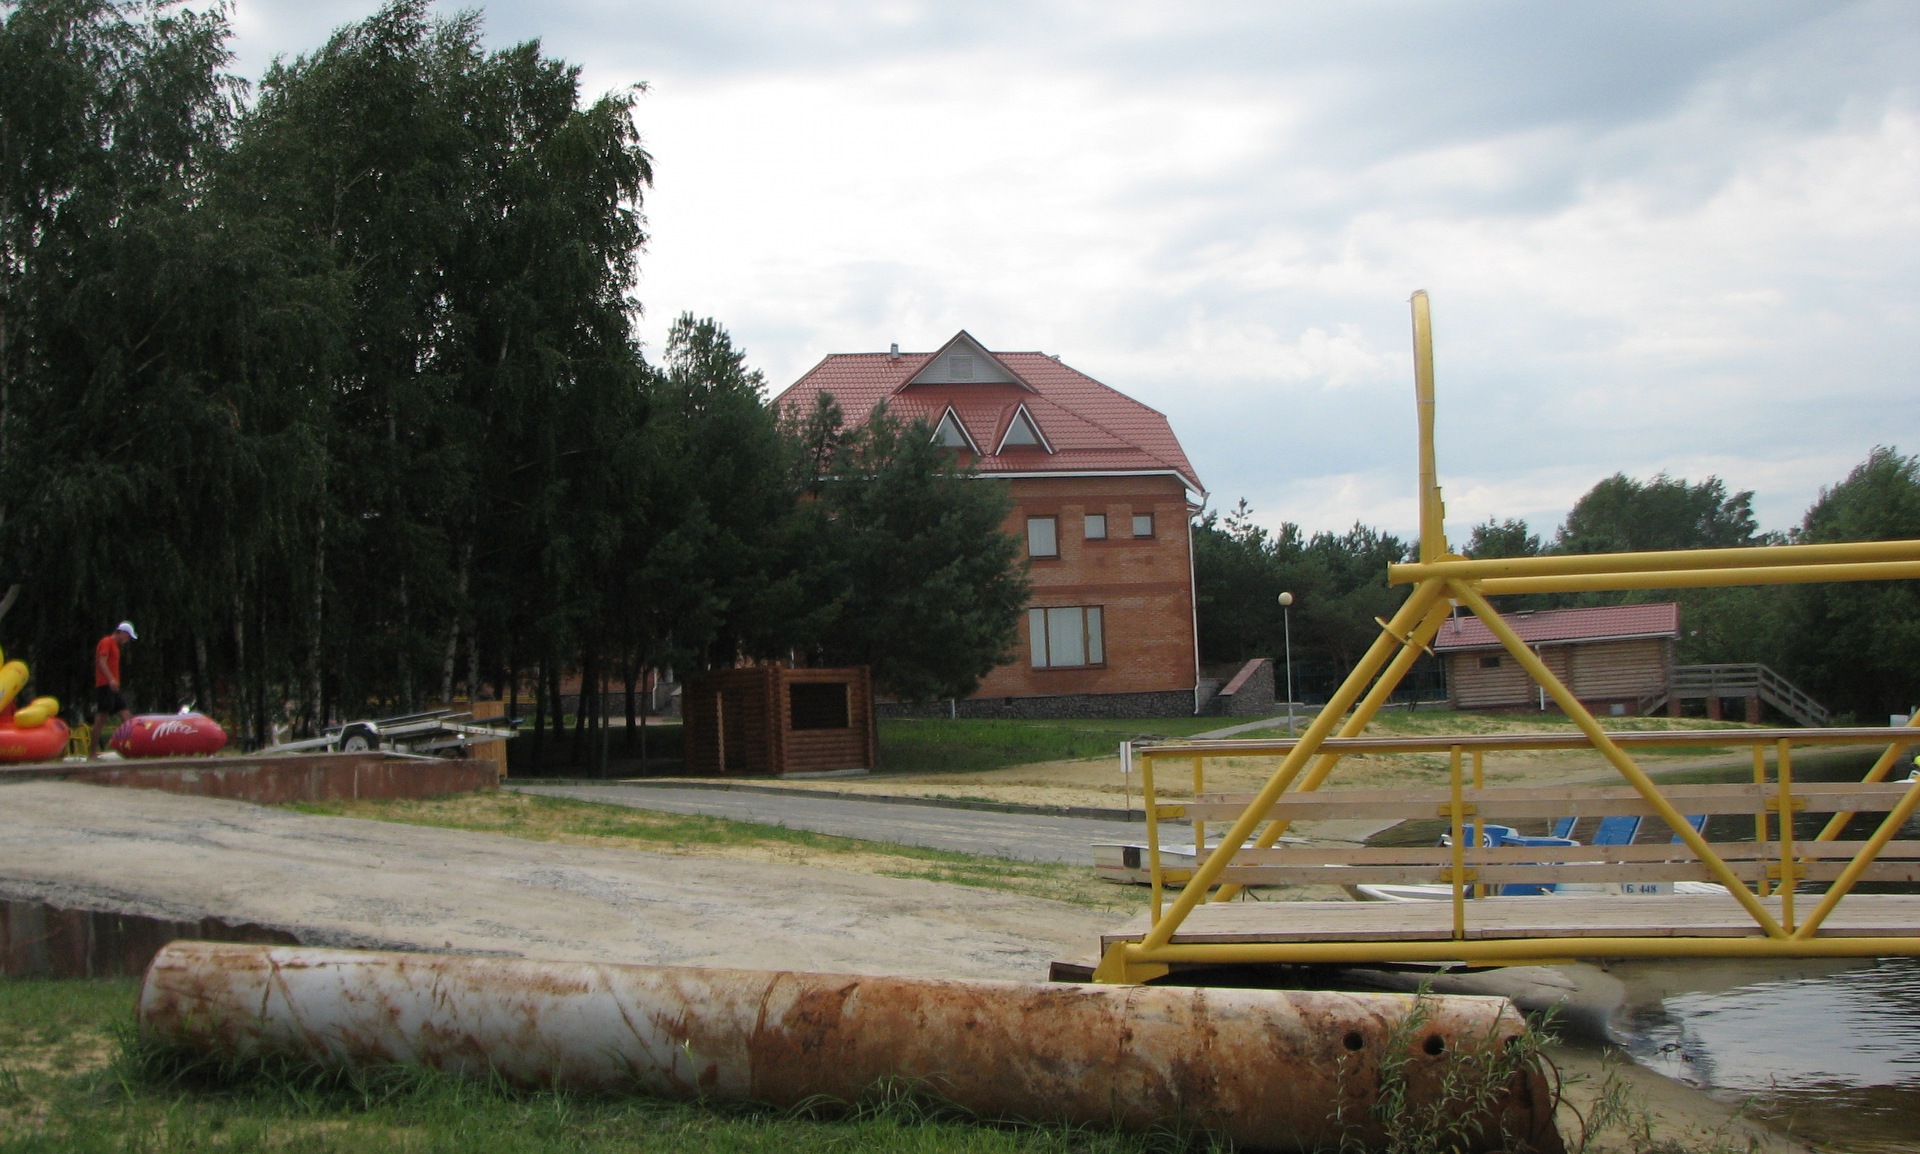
1301 717
336 881
1021 836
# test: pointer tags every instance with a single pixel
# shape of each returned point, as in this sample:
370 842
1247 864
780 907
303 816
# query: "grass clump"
78 1080
960 745
574 822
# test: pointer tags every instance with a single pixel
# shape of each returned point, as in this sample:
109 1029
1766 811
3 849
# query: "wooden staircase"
1748 679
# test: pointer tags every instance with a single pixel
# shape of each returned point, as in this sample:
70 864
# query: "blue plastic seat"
1617 831
1699 823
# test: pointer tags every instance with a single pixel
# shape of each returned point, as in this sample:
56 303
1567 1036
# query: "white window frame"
1053 534
959 424
1020 414
1088 523
1055 631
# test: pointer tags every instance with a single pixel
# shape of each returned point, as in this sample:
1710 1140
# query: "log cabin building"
1103 496
1617 659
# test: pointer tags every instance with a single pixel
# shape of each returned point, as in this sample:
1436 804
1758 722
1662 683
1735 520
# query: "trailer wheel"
359 739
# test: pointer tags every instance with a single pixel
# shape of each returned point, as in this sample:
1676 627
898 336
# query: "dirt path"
347 882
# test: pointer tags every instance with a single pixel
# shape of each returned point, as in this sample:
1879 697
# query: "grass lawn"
71 1079
948 746
591 823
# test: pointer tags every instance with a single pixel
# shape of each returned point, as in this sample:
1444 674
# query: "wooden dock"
1546 916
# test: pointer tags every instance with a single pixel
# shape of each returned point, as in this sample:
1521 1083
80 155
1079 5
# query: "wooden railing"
1749 679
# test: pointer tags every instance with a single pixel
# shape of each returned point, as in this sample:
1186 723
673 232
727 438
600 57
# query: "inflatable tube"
35 715
13 678
44 742
168 735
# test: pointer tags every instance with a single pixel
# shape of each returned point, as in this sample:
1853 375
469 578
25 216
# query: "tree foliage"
1339 584
336 393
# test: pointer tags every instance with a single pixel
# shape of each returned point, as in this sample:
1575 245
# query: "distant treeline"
1855 647
333 389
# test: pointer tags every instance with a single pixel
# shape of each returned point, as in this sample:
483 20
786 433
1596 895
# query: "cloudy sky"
1680 237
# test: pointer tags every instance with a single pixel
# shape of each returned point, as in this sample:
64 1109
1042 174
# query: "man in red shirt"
107 698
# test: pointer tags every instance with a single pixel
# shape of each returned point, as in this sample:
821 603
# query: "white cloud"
1679 237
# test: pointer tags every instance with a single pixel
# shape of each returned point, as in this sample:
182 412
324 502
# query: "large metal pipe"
1265 1069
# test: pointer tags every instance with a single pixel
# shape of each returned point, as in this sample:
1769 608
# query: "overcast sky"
1658 236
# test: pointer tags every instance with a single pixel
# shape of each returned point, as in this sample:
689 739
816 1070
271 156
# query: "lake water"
1829 1051
1834 1058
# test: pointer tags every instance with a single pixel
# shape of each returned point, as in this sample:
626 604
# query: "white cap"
127 628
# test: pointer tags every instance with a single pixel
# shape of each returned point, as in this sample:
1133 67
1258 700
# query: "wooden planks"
1517 803
1861 915
1569 739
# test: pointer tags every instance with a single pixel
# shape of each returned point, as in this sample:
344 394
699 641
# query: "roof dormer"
1022 433
951 433
965 361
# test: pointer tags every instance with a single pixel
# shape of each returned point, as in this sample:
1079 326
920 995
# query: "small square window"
1043 537
1490 662
1143 524
1096 526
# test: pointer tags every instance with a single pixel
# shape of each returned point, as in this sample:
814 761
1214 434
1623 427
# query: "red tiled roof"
1092 428
1551 626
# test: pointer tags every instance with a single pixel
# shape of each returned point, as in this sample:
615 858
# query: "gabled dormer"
952 433
965 361
1023 432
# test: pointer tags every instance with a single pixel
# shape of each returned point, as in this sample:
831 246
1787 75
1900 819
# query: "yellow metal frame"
1441 580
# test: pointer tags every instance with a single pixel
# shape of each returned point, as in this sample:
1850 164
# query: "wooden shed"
766 719
1615 658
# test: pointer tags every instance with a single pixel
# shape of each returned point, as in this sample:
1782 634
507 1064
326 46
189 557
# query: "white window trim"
972 445
1020 411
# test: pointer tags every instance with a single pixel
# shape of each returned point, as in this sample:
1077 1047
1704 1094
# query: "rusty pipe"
1265 1069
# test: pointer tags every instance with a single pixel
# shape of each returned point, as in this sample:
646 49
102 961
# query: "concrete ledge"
277 778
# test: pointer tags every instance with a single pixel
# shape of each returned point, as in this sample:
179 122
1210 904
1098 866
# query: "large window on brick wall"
1067 637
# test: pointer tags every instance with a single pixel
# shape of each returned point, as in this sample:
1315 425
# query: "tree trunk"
406 667
633 674
539 713
316 719
558 712
453 633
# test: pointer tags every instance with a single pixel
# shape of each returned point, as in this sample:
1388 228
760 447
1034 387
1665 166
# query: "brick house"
1103 496
1616 659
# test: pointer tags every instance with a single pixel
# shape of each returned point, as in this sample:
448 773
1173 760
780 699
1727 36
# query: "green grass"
949 746
73 1079
540 818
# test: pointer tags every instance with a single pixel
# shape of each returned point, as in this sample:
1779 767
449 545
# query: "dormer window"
951 434
1022 433
960 367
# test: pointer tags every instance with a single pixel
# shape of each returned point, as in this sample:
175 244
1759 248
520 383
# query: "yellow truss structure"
1440 581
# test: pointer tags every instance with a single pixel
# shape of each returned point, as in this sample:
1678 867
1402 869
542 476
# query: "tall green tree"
1856 646
1622 515
930 586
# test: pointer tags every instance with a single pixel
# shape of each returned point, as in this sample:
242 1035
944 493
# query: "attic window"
1023 433
950 434
960 367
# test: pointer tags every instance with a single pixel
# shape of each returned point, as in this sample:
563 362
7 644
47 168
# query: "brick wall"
1143 587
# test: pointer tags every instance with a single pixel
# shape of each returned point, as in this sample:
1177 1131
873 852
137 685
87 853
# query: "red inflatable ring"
168 735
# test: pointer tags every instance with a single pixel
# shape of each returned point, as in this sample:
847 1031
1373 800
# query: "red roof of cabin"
1553 626
1090 427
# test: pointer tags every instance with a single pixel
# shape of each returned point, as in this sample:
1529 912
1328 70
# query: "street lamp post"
1286 619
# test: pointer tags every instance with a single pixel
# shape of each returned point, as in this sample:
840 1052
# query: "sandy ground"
348 882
